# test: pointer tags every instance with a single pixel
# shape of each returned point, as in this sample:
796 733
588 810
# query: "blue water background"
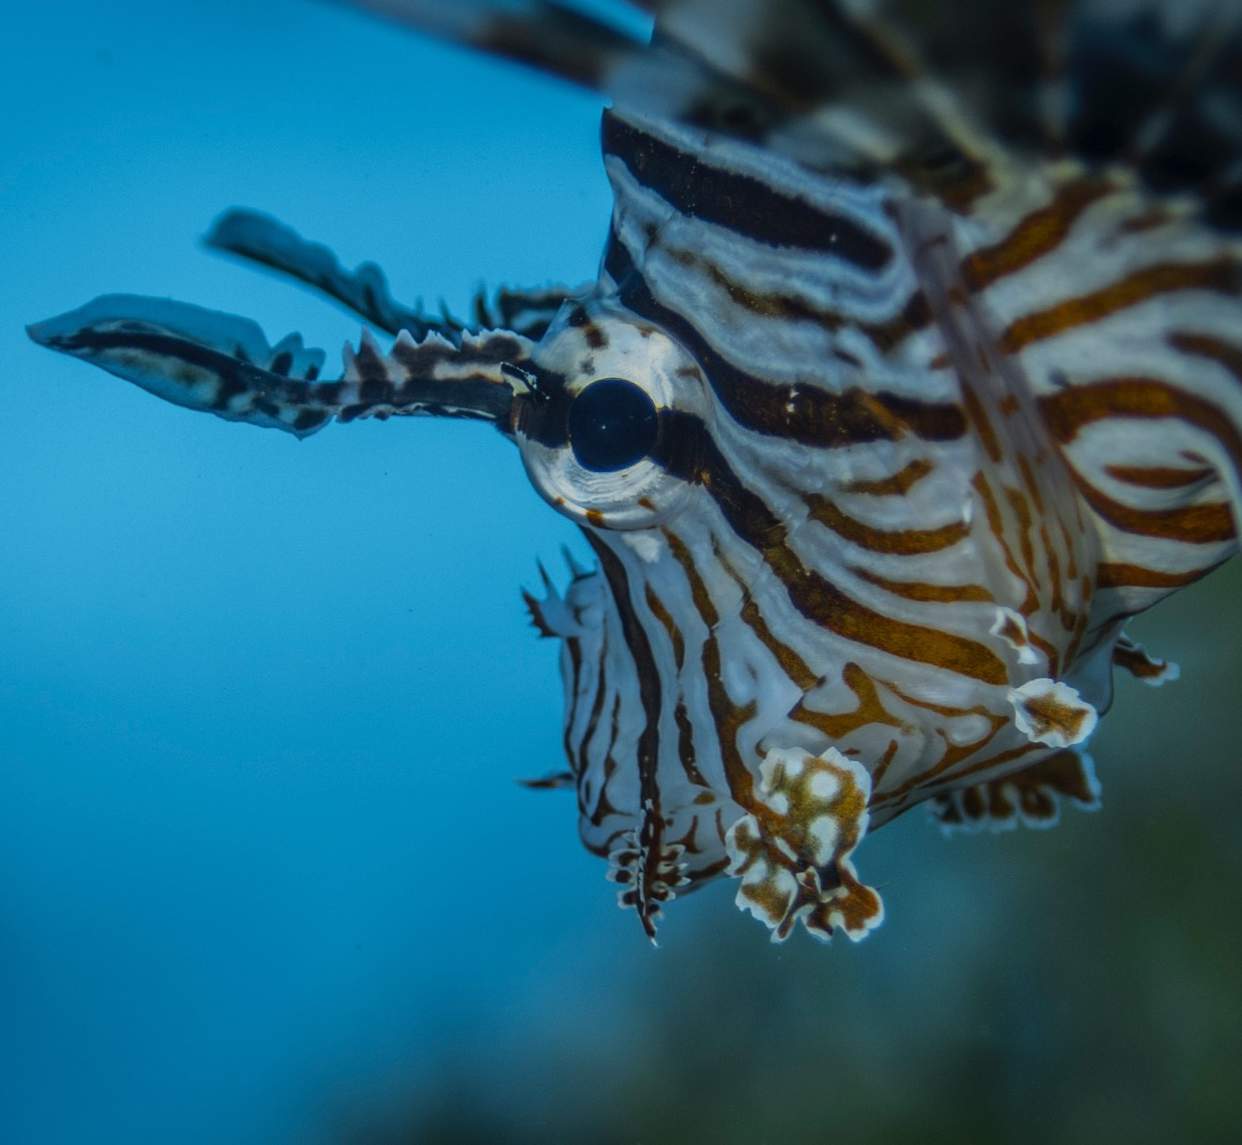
265 874
264 702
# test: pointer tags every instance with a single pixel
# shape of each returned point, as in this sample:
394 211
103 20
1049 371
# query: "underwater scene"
773 421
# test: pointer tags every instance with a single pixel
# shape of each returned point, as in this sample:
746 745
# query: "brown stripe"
1032 486
1220 275
1205 346
837 725
877 776
644 662
574 649
1157 477
1071 561
1057 603
954 753
1051 654
793 665
923 592
808 414
685 733
685 745
914 316
907 542
898 484
1080 624
786 307
959 190
698 459
996 525
597 707
727 716
648 739
1037 235
996 760
1190 524
603 805
1112 575
670 626
755 210
1146 221
983 424
1022 511
1067 411
935 778
1134 660
818 599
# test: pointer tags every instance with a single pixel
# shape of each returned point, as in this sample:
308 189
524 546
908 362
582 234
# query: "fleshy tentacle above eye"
223 364
259 238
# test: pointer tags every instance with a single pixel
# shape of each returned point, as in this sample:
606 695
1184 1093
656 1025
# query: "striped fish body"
888 530
844 549
878 428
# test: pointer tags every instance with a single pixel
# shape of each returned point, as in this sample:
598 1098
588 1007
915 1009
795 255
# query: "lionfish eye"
612 424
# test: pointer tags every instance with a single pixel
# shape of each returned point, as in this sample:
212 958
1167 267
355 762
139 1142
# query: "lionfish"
912 371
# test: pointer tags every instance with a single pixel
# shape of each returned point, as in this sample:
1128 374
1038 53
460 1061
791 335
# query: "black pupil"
612 424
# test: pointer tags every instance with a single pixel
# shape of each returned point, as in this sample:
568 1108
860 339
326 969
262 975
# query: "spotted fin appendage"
222 364
792 852
1052 713
261 239
1134 658
648 880
1032 797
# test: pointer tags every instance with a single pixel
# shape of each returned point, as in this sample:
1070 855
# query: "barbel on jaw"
901 388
